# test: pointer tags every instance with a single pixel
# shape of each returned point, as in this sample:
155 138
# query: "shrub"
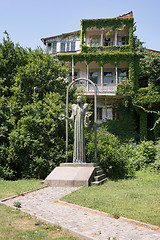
111 155
8 174
143 155
156 165
38 143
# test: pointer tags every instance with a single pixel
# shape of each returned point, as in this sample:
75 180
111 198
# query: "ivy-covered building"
103 51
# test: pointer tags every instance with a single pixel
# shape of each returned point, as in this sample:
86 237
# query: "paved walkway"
88 223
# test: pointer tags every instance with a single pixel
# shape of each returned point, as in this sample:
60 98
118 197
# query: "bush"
120 127
156 165
8 174
37 144
111 155
143 154
122 160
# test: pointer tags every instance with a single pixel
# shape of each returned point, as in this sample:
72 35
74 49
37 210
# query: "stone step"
99 172
99 177
97 168
99 182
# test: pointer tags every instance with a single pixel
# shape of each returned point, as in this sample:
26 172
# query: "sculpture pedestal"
71 175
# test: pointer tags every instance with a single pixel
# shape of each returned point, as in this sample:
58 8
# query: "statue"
79 119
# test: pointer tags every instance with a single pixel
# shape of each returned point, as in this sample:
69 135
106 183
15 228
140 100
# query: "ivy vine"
114 23
75 34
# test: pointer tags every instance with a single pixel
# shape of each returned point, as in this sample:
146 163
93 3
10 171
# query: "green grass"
137 198
16 225
11 188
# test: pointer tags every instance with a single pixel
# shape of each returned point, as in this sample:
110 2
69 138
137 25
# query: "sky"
27 21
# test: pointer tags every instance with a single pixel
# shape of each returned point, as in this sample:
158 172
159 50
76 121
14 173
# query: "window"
107 78
94 41
122 76
93 76
49 47
62 47
108 42
70 76
109 114
73 46
54 47
99 113
68 45
122 41
114 114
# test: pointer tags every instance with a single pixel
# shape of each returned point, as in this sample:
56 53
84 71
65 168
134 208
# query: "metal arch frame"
95 115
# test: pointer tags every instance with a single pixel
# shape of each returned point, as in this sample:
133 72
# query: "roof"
151 50
61 35
126 15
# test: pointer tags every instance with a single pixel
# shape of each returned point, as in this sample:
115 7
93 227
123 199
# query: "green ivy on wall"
101 57
122 48
75 34
148 97
139 63
113 23
120 127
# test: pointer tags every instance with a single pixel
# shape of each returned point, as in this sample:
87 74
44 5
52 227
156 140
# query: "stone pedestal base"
71 175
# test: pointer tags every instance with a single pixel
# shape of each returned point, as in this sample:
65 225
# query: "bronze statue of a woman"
79 119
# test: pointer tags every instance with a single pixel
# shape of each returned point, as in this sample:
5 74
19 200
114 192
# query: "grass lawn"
11 188
137 198
15 225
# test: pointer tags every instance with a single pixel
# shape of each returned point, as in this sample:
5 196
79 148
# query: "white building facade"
98 52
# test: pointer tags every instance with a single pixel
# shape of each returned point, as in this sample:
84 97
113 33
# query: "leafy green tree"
150 65
12 56
41 74
37 144
32 95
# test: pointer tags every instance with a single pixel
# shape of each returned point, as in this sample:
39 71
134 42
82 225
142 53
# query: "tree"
32 94
37 143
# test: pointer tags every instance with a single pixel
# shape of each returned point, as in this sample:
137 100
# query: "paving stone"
89 224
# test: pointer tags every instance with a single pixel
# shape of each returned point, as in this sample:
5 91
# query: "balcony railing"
122 48
108 89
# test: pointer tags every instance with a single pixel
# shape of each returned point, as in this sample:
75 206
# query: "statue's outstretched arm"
87 115
71 119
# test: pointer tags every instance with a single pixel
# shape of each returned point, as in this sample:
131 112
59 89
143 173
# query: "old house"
102 51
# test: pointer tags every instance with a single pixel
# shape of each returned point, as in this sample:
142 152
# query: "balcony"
102 40
120 48
102 90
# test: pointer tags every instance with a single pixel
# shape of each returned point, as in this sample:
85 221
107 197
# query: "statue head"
79 99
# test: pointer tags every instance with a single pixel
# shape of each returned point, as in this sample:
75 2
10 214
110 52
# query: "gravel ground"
87 223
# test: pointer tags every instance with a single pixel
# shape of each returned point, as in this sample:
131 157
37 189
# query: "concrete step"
97 168
99 177
99 172
99 182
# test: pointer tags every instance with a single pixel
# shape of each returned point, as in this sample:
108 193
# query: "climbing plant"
73 34
113 23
